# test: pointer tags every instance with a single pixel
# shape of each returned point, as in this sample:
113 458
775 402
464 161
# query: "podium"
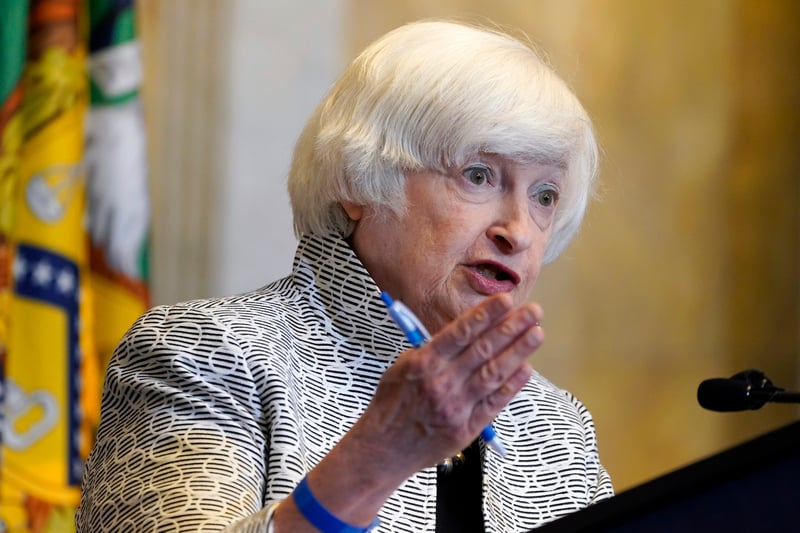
752 487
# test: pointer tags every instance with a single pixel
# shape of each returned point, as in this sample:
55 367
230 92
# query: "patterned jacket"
213 410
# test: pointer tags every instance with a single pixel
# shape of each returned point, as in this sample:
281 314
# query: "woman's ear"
354 211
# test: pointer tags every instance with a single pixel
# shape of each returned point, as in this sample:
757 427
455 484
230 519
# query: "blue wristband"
319 517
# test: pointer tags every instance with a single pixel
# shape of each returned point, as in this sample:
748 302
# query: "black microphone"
749 389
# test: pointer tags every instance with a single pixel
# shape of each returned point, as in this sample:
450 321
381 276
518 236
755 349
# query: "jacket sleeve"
181 444
599 487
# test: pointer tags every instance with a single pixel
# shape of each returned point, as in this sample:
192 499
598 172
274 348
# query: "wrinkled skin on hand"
436 399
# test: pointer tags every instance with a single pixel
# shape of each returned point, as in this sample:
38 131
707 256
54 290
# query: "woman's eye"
547 197
479 175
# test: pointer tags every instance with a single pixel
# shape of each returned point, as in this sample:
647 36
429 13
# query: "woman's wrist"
319 516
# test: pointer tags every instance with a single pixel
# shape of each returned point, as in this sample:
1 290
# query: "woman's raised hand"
429 405
436 399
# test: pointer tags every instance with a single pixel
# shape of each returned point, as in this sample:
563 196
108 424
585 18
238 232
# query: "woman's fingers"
451 387
498 362
481 358
462 333
436 358
500 379
486 345
501 351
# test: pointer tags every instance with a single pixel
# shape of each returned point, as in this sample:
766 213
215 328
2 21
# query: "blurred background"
687 265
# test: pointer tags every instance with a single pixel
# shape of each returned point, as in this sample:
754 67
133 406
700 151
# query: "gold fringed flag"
73 220
47 340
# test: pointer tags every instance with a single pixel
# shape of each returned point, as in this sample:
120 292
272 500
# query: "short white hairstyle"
425 96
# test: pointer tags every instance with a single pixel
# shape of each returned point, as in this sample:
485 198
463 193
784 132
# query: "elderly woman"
444 167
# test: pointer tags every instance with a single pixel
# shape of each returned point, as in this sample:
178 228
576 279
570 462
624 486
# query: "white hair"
425 96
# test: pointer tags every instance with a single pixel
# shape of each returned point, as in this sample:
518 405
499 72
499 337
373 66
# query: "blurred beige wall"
687 265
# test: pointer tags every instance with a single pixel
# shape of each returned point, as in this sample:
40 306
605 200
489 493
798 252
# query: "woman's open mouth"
489 277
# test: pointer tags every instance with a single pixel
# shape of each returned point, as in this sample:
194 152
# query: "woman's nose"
513 228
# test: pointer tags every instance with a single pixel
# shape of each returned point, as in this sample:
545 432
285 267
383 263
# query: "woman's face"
477 230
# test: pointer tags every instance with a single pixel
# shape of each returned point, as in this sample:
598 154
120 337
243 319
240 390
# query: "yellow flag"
74 226
47 340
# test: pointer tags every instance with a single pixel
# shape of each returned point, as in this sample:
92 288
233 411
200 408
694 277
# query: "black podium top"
752 487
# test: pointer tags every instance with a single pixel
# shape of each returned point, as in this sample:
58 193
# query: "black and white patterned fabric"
213 410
